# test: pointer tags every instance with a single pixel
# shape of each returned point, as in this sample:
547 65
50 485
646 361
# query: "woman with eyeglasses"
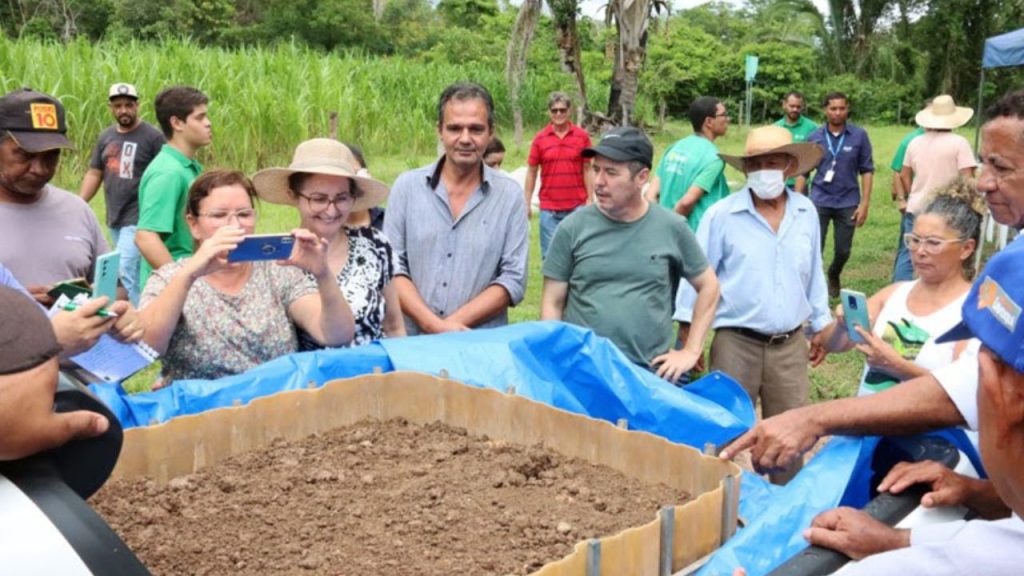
324 183
210 318
906 317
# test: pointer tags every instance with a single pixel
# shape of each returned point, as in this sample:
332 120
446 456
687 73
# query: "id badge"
829 175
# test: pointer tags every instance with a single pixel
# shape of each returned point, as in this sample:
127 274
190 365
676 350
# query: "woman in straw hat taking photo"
932 160
324 184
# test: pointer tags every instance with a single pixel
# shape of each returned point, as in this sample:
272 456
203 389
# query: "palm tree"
847 32
632 19
567 38
515 64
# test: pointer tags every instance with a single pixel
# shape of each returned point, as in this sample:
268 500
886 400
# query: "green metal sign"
751 68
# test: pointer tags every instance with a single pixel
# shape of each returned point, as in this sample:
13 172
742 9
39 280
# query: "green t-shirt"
897 160
800 131
623 276
692 161
163 193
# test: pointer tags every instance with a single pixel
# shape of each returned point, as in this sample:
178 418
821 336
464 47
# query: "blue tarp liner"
555 363
570 368
841 474
1004 50
290 372
574 369
776 516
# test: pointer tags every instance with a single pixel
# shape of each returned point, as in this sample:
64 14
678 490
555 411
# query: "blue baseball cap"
992 311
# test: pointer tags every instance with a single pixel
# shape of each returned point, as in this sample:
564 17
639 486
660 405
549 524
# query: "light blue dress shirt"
7 279
452 260
771 282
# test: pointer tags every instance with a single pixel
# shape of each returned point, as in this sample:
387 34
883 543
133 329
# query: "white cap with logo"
122 89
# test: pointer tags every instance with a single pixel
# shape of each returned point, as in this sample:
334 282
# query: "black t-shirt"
123 157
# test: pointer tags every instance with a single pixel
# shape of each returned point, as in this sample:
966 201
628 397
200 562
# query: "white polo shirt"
960 381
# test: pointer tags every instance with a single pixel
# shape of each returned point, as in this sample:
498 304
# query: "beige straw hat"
777 140
319 156
944 114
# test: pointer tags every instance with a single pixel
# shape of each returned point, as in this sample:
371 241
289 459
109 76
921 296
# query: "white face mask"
767 184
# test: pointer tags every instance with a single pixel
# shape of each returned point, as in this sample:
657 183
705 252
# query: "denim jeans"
549 220
124 242
842 240
903 268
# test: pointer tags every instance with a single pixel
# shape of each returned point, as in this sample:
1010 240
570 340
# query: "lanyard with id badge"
831 173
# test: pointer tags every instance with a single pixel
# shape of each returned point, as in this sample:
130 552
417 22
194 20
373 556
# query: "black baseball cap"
35 121
624 144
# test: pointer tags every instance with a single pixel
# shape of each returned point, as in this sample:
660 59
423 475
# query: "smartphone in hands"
104 282
263 247
855 310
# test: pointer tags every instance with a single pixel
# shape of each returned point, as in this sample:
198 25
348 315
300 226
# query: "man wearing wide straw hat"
932 160
942 398
763 243
324 184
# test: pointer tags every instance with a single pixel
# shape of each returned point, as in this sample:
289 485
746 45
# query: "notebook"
110 360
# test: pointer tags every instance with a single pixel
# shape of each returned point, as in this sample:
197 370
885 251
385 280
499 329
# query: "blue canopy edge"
1004 50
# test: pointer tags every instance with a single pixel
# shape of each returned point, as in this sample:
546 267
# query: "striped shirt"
452 260
561 167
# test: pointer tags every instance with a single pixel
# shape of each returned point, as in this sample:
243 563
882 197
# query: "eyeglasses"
244 216
320 202
725 114
559 110
929 245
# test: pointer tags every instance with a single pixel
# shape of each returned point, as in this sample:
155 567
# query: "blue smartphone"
855 309
263 247
104 281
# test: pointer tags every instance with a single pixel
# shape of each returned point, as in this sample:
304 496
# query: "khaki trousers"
775 373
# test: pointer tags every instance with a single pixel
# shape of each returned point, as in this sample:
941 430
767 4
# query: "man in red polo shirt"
566 183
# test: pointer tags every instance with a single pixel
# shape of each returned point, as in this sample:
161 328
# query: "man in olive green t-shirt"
614 266
800 127
690 177
163 235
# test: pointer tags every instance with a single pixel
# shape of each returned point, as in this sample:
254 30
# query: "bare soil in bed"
378 498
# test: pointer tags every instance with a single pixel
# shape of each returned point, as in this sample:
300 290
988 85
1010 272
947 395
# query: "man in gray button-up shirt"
458 228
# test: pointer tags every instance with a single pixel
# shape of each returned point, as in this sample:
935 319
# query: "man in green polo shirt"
163 235
800 127
690 177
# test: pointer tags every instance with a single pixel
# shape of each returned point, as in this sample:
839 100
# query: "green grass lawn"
868 270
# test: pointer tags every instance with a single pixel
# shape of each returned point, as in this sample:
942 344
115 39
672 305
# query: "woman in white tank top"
906 317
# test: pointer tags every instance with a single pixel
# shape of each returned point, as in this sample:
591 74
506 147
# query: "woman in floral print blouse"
210 317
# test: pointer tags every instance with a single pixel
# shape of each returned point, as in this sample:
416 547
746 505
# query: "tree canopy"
888 55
